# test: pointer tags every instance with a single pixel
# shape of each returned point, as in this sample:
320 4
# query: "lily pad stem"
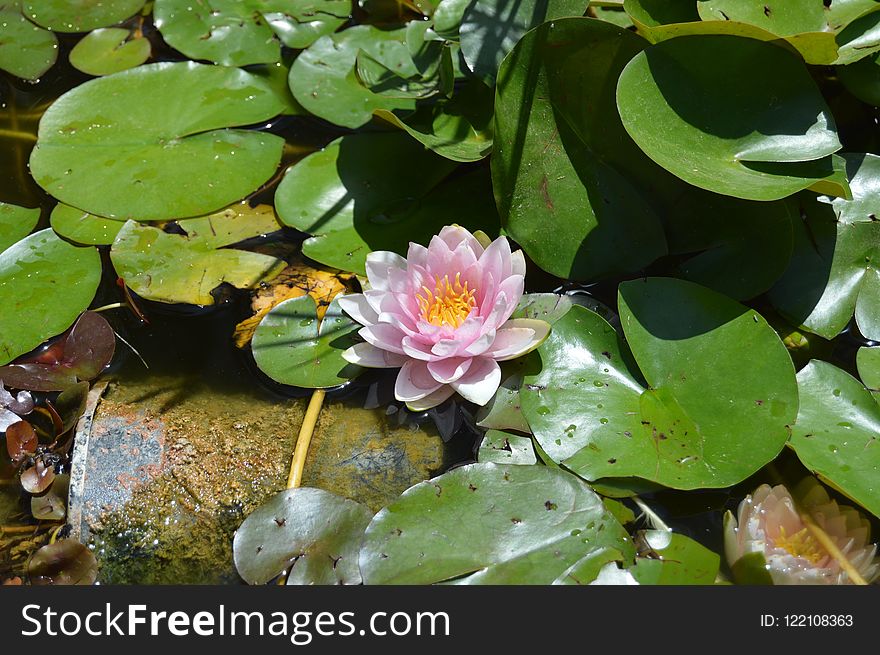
294 480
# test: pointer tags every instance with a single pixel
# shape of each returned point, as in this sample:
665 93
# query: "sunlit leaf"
16 223
26 50
79 15
109 50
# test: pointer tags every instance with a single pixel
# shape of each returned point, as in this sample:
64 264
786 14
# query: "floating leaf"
21 440
682 561
174 268
37 478
833 271
506 448
109 50
16 223
45 283
868 362
590 411
568 180
52 505
491 28
26 50
66 562
345 77
317 532
859 39
80 15
488 524
297 280
236 223
238 33
81 354
761 130
836 434
82 227
746 245
862 79
292 346
160 150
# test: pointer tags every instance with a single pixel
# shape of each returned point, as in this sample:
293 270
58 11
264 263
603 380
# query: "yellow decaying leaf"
298 279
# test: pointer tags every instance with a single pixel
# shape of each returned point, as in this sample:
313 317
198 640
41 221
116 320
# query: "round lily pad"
174 268
760 131
488 524
598 413
45 283
109 50
82 227
26 50
79 15
292 346
315 531
16 223
152 142
242 32
868 362
836 434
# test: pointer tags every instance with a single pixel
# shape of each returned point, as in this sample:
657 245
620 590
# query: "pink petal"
453 235
384 336
449 370
517 337
379 265
480 382
417 254
357 306
414 382
368 356
496 259
416 350
431 400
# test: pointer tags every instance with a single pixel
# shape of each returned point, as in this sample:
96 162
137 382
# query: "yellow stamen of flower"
801 544
447 304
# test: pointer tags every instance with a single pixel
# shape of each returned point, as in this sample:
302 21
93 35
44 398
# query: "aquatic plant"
443 316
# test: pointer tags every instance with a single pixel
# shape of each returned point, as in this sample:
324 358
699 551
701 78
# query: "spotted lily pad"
676 560
488 524
591 410
109 50
506 448
293 347
79 15
161 149
16 223
761 130
313 532
836 434
45 283
176 268
238 33
26 50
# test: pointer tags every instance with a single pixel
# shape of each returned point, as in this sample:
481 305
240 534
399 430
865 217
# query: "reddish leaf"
65 562
37 478
21 440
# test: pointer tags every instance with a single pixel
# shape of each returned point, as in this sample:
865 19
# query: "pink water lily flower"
443 316
797 539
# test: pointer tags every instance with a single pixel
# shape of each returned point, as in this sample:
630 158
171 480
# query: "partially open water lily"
442 315
799 540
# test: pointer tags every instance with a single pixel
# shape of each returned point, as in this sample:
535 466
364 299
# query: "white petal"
356 306
431 400
480 382
517 337
414 382
378 263
368 356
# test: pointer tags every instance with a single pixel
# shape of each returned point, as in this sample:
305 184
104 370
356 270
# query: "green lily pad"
26 51
16 223
836 434
82 227
79 15
236 223
682 561
488 524
862 79
174 268
570 184
377 191
161 149
293 347
859 39
761 130
238 33
315 531
447 17
345 77
459 128
45 284
746 245
587 569
868 363
832 275
506 448
491 28
591 412
109 50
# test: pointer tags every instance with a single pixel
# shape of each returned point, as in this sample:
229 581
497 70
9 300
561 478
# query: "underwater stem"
294 480
18 135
